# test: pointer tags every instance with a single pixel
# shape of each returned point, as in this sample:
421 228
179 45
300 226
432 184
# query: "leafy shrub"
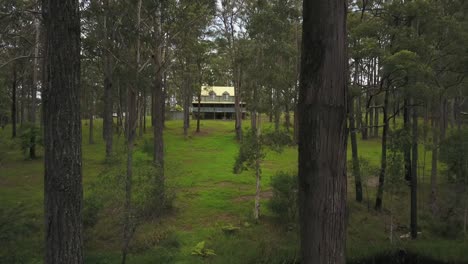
29 136
283 203
201 250
92 205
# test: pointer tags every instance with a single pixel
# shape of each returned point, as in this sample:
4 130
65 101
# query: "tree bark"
91 122
435 151
237 103
322 135
108 102
354 147
62 147
414 176
158 98
407 147
14 101
383 162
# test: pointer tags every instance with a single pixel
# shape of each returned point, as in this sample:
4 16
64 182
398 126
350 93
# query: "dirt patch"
233 185
263 195
373 182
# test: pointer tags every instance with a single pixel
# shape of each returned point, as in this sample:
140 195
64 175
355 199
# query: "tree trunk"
383 162
354 147
14 101
237 105
376 122
414 176
407 147
63 193
107 115
322 135
158 99
435 151
199 111
187 99
91 122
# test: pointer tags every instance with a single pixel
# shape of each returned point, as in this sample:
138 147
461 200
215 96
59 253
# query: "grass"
199 171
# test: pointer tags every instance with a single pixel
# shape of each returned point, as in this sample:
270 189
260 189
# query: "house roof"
218 90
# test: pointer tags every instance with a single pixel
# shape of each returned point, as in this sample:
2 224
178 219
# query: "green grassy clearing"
208 196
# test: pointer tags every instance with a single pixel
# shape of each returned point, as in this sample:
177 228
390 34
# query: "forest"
234 131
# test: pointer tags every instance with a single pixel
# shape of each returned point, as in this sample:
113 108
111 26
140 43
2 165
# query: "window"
226 96
213 95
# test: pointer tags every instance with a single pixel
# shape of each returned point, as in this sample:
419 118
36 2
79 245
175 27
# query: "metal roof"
218 90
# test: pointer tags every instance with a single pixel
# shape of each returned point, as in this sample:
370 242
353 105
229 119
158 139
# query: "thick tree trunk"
322 135
383 162
14 101
414 176
63 191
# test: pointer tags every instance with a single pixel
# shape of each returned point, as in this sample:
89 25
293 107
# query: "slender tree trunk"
414 176
435 151
322 135
145 106
407 147
383 162
91 122
376 122
237 105
14 101
287 118
63 193
354 147
108 102
158 99
129 226
187 99
371 118
200 83
296 126
32 108
199 111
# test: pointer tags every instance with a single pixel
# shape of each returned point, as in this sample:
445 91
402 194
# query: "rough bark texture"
62 147
322 133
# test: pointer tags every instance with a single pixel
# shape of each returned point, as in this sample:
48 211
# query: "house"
217 102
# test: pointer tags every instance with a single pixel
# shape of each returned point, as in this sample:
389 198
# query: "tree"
322 132
63 180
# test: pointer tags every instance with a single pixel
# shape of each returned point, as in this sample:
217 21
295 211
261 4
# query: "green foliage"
92 205
454 153
251 150
230 229
29 136
283 203
202 251
277 140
